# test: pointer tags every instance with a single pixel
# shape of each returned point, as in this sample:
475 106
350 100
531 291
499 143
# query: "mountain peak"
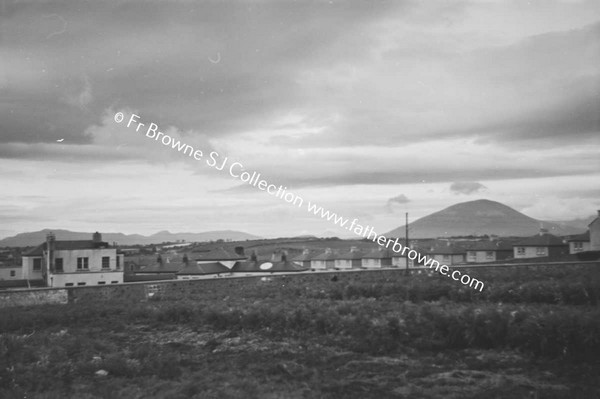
478 217
162 232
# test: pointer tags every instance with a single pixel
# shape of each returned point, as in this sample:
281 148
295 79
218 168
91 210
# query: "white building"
74 262
376 259
324 261
349 260
595 234
304 258
489 251
399 260
10 272
541 245
579 243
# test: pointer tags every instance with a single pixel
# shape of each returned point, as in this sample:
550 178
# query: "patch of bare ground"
364 337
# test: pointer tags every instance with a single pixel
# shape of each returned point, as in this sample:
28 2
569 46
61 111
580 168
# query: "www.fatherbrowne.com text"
253 178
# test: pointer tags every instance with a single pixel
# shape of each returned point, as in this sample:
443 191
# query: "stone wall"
180 289
33 297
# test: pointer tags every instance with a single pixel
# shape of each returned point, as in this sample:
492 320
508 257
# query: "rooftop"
440 248
203 268
327 255
490 246
304 256
354 253
158 268
9 266
218 254
541 240
69 245
584 237
267 266
378 253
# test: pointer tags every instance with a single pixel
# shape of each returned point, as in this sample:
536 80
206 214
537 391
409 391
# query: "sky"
370 109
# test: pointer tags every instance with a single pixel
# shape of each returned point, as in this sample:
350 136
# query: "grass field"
528 335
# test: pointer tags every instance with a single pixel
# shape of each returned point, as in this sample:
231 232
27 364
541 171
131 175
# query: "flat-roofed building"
74 262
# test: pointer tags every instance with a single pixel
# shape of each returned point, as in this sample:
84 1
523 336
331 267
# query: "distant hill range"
482 217
581 224
37 237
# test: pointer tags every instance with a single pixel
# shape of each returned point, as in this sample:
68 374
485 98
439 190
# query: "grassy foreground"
530 335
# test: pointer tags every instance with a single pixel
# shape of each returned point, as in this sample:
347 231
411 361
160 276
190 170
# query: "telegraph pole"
406 238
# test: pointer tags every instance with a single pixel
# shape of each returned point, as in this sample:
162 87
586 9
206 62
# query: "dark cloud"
156 57
313 95
467 187
399 199
542 89
395 177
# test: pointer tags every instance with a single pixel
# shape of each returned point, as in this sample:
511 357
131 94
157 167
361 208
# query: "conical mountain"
478 218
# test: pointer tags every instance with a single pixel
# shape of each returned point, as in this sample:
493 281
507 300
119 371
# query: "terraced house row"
64 263
542 245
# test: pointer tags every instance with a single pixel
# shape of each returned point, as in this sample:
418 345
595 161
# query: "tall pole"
406 238
406 227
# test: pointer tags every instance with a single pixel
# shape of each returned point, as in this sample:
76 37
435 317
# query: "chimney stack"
50 237
543 231
97 237
50 244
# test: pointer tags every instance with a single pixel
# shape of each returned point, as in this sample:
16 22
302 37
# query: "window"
118 262
68 284
520 251
471 255
446 257
578 246
13 273
58 264
106 262
540 251
37 264
80 283
489 255
114 282
101 282
82 263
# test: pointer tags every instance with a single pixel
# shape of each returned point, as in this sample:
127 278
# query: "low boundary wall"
42 296
173 289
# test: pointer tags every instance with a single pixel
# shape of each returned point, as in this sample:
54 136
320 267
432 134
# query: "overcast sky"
371 109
